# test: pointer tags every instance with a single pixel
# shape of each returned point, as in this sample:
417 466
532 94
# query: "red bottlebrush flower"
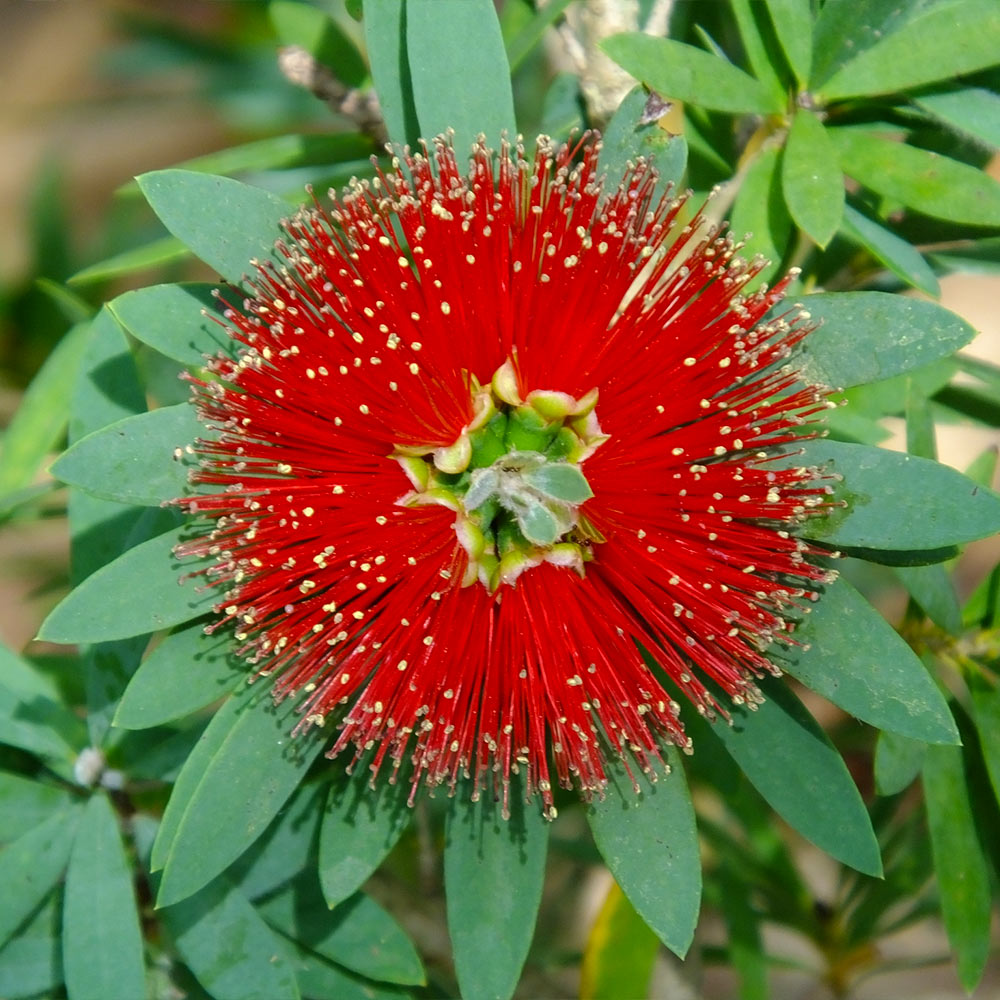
485 435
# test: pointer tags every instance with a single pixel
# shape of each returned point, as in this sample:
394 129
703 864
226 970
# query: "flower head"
486 438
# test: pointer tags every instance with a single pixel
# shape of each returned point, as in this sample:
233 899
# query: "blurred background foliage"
875 177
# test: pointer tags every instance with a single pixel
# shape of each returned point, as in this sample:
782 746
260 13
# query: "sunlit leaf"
681 72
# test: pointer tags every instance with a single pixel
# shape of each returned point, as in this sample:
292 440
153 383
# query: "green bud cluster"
514 480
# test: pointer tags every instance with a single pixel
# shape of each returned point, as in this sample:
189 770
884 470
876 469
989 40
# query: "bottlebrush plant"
479 524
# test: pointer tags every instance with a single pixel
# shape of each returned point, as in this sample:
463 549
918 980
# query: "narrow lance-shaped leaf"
682 72
898 761
31 963
941 42
851 655
927 182
358 934
963 877
206 929
897 254
972 110
505 861
185 672
793 22
759 215
385 38
449 43
31 866
226 223
169 318
102 943
287 849
650 842
869 336
896 501
106 606
25 803
40 420
791 762
811 178
360 826
134 460
236 792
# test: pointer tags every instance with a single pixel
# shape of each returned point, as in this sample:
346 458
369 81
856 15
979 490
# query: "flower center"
514 479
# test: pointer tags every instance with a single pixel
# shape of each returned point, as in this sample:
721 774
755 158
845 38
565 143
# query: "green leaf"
896 501
927 182
986 713
789 759
758 44
938 43
521 45
31 963
793 24
321 36
227 224
901 257
846 28
559 480
361 825
898 761
36 723
107 389
251 766
973 111
287 847
649 840
536 523
186 671
562 112
449 43
963 876
759 214
746 950
682 72
493 874
358 934
170 319
25 803
228 946
811 178
620 951
385 39
626 139
40 421
102 943
870 336
853 657
931 587
322 980
134 460
107 606
167 250
32 865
